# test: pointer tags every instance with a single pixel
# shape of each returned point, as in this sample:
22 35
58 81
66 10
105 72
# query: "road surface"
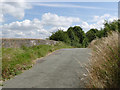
63 68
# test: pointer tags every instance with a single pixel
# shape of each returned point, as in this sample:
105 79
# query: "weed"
14 60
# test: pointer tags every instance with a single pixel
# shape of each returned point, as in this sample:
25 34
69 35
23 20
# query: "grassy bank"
104 70
15 60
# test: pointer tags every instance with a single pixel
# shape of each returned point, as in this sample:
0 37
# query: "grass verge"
104 70
15 60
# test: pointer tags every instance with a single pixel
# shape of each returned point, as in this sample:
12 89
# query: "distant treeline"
75 36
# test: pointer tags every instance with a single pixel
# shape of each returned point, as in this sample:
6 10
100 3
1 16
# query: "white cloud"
49 19
36 27
16 9
49 23
25 25
98 22
24 29
54 29
57 22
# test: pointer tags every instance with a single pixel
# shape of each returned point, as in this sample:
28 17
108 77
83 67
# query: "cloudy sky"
40 19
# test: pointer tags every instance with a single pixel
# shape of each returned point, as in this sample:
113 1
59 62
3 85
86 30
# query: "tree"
60 35
91 34
110 26
71 35
79 33
75 36
101 33
85 42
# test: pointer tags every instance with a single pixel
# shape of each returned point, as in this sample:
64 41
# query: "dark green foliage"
72 35
109 26
79 33
60 36
85 42
74 41
91 34
66 38
75 36
100 34
119 25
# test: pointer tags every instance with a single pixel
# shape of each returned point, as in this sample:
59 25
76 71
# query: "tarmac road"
63 68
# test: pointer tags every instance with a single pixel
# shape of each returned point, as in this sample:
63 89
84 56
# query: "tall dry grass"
104 70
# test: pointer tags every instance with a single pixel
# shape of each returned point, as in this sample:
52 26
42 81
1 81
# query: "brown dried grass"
104 70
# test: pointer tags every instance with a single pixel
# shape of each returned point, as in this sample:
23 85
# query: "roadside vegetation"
104 70
15 60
